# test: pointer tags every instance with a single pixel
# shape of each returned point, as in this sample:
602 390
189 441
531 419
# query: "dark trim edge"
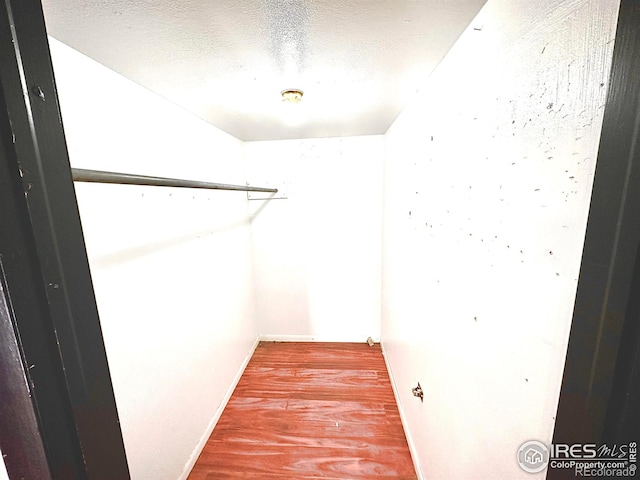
610 250
56 319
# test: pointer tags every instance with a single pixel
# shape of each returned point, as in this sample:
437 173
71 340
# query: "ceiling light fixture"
292 95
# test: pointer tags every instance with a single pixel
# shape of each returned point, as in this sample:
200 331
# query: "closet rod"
98 176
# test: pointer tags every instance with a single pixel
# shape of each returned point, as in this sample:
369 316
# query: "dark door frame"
57 382
600 375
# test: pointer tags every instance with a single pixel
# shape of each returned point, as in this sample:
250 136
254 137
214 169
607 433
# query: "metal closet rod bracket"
99 176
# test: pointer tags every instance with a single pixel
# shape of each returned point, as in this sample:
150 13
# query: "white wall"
487 184
171 267
317 253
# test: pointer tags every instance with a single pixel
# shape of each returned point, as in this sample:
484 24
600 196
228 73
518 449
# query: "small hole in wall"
417 392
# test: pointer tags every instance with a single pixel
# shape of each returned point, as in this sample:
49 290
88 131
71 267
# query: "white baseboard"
312 338
216 416
412 446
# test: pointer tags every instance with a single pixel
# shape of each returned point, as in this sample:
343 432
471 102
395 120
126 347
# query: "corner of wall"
415 457
216 416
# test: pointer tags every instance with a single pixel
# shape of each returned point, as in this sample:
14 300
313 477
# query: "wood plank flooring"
309 411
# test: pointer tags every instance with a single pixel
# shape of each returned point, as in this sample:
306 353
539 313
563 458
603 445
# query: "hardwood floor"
309 411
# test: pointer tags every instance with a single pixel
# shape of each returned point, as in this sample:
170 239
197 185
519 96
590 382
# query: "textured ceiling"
358 62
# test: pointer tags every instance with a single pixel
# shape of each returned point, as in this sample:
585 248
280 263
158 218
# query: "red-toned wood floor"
309 410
